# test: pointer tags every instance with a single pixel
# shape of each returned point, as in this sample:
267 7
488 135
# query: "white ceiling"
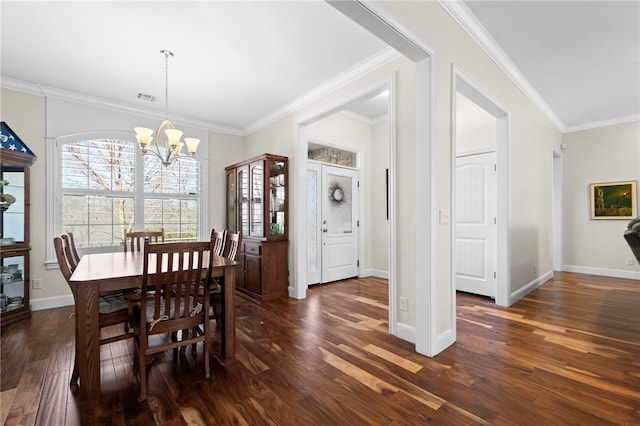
582 57
237 63
234 63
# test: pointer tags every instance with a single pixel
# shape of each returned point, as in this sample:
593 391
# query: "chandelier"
167 145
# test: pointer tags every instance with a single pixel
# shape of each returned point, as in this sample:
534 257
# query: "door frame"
316 140
556 209
460 83
299 290
431 335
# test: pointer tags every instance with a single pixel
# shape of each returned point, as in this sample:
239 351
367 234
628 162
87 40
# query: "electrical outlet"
629 261
404 304
36 283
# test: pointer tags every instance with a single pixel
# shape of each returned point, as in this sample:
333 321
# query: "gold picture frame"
613 200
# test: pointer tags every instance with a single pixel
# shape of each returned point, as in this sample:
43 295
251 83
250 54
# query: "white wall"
224 150
606 154
25 114
532 138
378 184
475 127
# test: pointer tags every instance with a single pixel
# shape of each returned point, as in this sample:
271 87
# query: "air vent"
146 97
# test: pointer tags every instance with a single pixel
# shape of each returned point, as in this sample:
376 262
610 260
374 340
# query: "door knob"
325 230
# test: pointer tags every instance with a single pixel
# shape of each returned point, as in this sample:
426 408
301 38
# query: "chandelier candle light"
171 144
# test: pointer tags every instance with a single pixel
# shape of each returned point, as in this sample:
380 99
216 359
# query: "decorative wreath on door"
336 194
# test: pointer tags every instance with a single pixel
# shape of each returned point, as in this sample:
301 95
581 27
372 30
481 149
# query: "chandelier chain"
166 53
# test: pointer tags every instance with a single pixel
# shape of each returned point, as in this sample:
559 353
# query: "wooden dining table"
102 272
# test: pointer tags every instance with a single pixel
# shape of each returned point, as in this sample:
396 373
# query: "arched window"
107 186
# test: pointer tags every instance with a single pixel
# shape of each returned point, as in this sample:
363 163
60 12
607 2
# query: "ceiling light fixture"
167 146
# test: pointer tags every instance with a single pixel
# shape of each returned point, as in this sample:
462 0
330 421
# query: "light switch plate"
443 215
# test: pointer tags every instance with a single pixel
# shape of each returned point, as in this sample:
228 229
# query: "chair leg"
142 367
205 347
197 331
75 374
76 371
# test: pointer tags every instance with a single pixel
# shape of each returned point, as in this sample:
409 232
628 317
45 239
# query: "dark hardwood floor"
569 353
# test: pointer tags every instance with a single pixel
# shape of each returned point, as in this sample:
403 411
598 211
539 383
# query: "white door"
476 230
339 199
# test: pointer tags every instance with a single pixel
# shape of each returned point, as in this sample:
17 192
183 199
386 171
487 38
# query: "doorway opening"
480 235
427 333
346 154
333 214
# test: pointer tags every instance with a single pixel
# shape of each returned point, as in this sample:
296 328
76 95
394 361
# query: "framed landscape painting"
613 200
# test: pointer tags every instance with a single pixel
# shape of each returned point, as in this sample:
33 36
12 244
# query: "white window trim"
53 182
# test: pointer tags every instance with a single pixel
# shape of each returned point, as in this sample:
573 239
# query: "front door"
339 223
476 229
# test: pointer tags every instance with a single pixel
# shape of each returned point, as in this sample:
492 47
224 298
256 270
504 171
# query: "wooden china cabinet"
15 162
257 206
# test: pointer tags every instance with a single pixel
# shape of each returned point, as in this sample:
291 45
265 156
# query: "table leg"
228 311
88 344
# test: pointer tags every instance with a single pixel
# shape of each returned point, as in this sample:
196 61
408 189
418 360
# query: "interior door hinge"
495 275
495 167
358 223
358 263
357 184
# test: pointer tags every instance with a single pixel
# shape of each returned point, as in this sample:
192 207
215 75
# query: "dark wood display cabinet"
15 162
257 206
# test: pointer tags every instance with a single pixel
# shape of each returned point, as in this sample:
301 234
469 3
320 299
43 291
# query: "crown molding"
366 120
603 123
468 21
53 92
359 117
386 56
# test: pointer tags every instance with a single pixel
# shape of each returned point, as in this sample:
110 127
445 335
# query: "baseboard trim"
406 332
377 273
51 302
519 294
614 273
444 340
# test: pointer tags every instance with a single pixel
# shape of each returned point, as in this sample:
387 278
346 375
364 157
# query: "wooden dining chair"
68 252
170 301
218 240
134 240
72 244
112 307
231 248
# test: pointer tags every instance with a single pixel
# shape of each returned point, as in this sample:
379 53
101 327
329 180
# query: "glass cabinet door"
257 178
243 199
277 186
13 280
12 204
232 198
